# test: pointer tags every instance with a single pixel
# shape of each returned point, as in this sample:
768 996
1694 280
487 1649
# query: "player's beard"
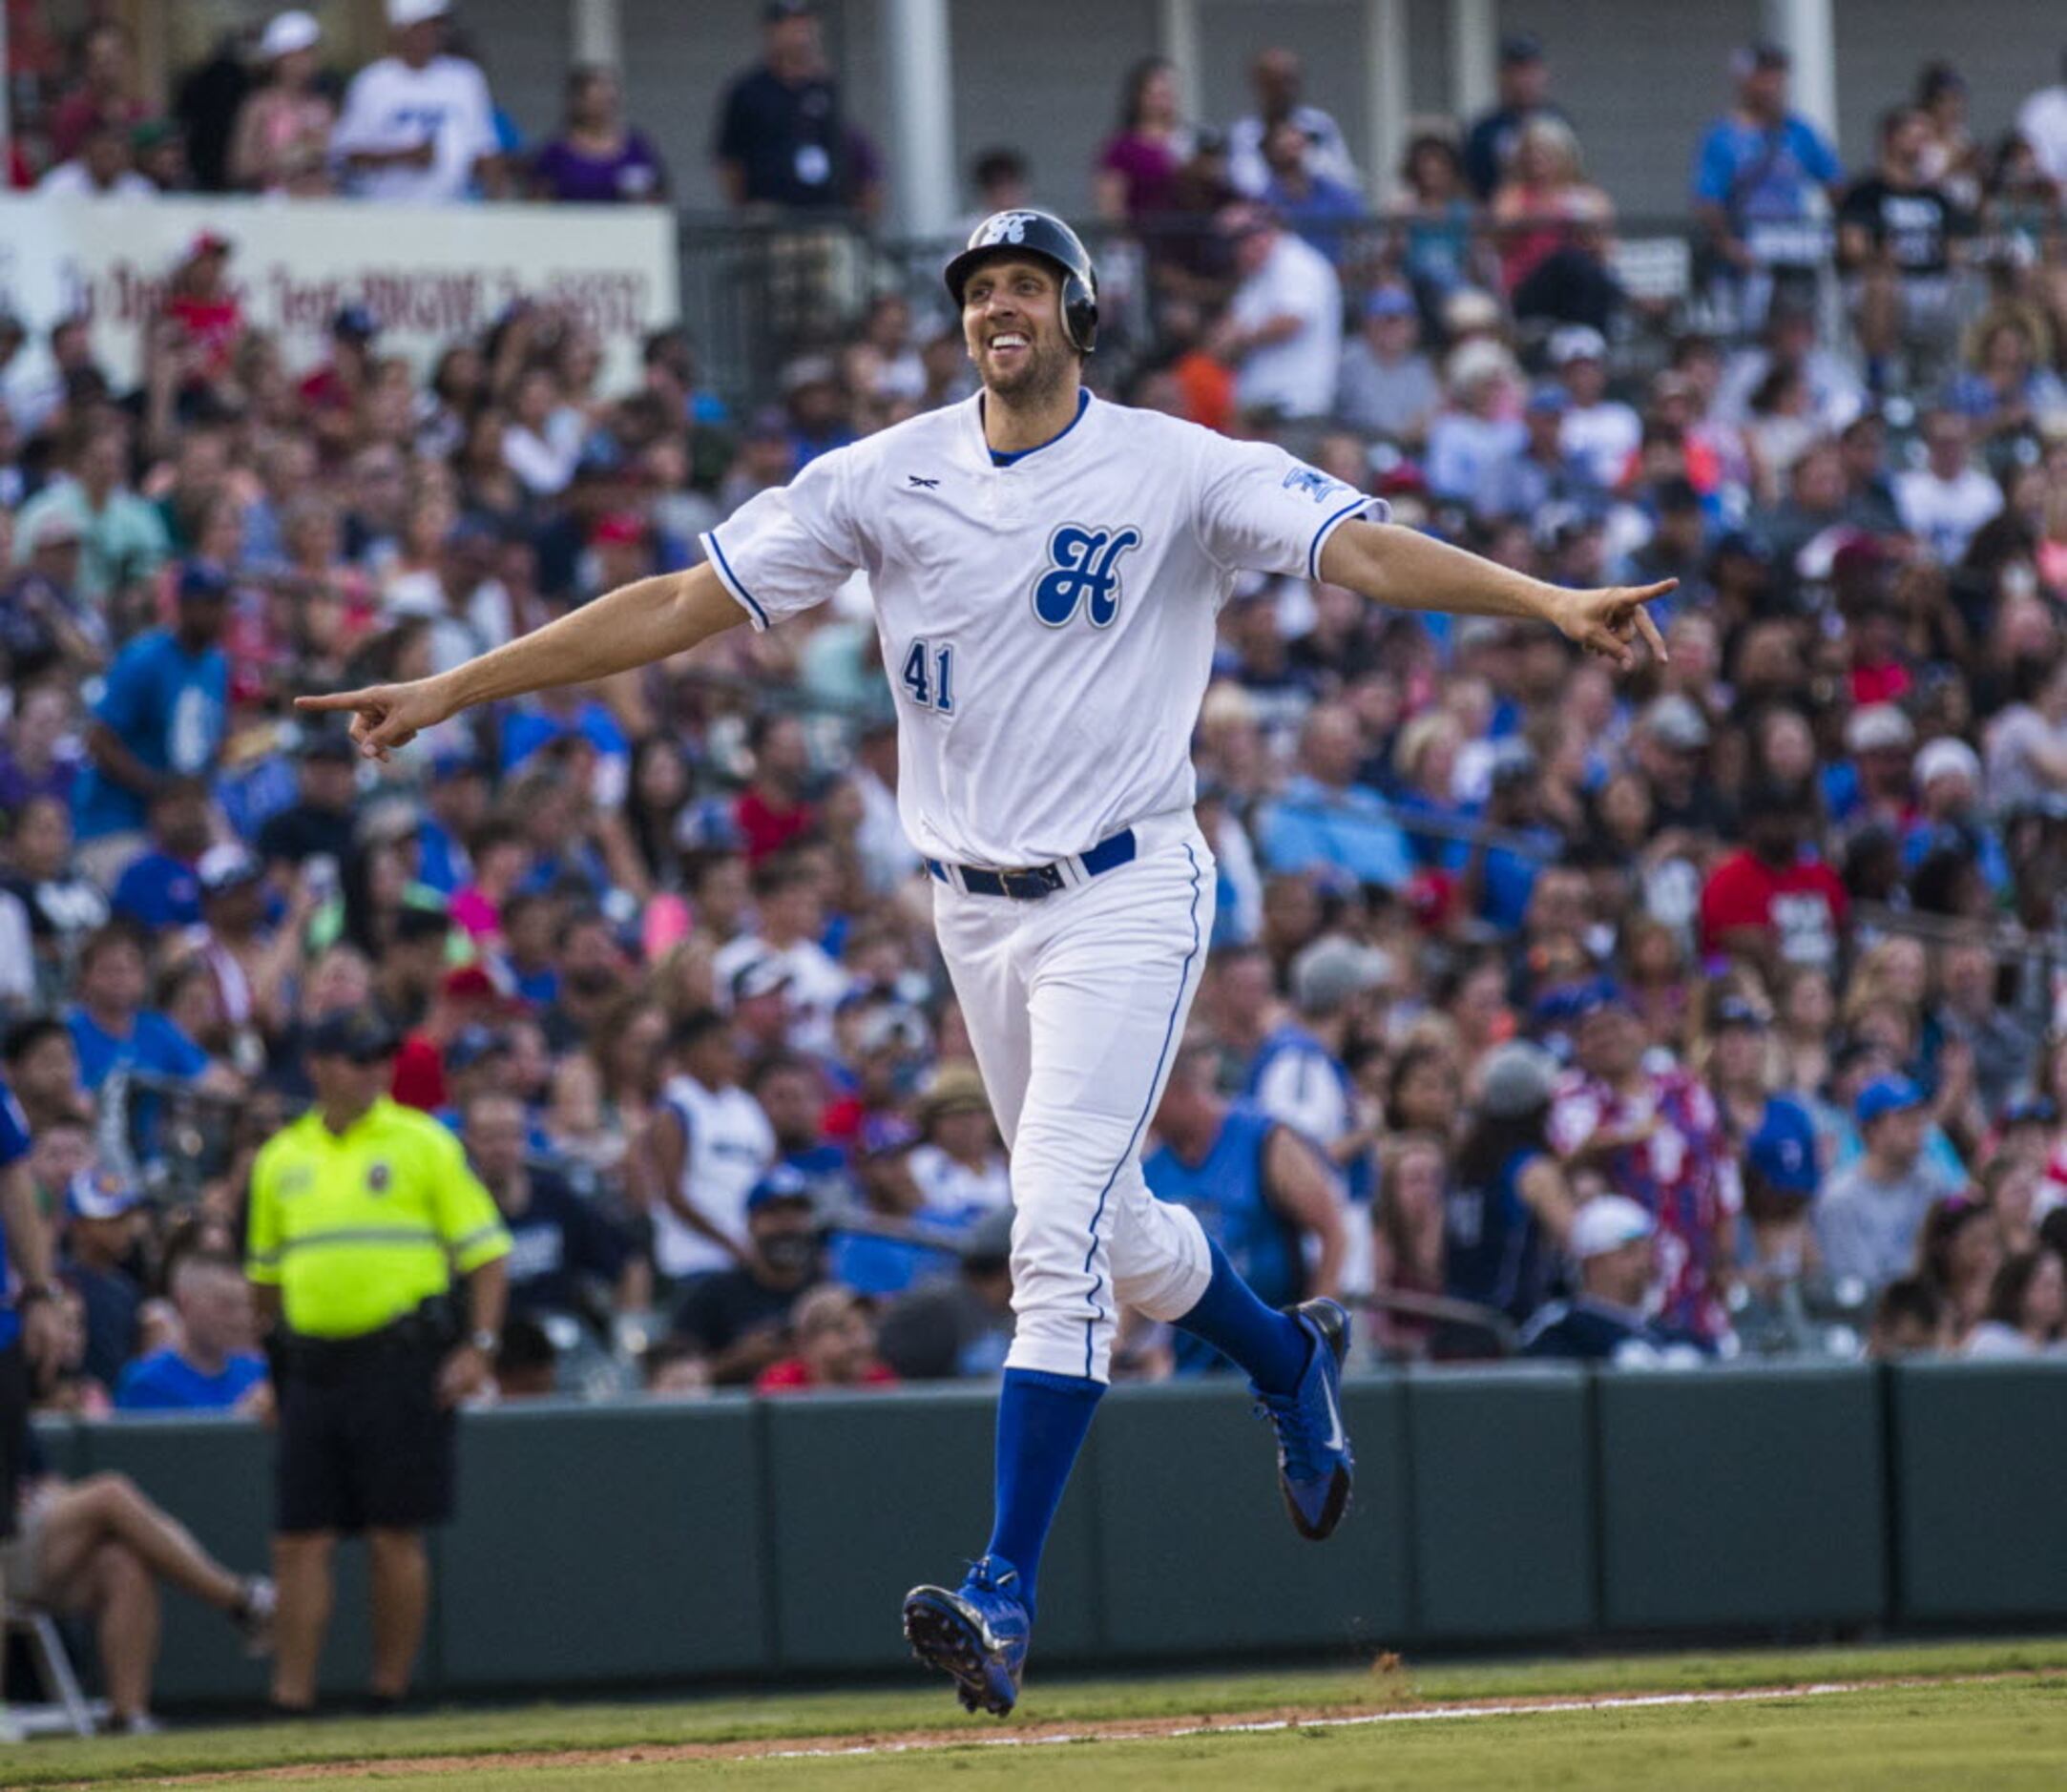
1041 379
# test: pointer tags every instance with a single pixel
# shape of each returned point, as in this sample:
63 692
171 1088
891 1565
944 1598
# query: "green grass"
1994 1732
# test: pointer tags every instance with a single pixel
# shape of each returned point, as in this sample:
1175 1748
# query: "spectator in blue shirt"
1756 176
162 889
1324 818
110 1024
213 1367
1320 210
162 713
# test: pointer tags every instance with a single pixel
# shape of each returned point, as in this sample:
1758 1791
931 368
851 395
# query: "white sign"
429 274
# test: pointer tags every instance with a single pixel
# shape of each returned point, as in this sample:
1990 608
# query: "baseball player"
1047 567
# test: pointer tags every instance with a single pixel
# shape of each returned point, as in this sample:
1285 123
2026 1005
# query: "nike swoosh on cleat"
1335 1437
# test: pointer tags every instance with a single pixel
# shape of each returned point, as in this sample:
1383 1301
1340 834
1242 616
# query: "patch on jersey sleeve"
1317 486
1083 570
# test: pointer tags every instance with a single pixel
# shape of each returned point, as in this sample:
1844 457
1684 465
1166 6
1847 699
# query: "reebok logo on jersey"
1085 570
923 483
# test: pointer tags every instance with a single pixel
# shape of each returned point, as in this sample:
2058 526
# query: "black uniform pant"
363 1444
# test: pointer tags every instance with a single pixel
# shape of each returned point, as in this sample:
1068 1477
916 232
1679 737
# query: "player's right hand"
385 716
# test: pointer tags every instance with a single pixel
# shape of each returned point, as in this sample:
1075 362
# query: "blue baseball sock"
1272 1346
1042 1421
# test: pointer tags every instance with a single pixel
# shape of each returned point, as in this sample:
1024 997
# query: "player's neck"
1012 427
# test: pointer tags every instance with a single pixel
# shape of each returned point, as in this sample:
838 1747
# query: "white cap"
1606 1223
1947 758
1577 341
403 13
285 32
1878 727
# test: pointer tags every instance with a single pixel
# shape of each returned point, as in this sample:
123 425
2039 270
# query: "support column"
916 53
595 33
1384 92
1177 37
1807 30
1473 58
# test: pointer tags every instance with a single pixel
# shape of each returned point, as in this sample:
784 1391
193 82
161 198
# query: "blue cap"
355 321
1389 302
885 1135
783 1182
1886 1094
2029 1110
100 1194
198 579
470 1045
1590 998
1733 1010
1784 1149
1548 400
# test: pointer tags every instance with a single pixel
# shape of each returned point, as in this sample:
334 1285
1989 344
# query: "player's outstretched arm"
1409 570
632 626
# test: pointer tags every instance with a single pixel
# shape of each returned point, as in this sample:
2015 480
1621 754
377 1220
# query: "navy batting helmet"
1042 234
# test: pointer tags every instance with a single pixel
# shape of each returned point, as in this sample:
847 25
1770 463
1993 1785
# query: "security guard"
361 1212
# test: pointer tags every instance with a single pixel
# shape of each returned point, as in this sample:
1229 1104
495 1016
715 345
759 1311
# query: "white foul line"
1420 1714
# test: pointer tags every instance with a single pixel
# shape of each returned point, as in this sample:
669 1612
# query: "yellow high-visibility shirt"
356 1229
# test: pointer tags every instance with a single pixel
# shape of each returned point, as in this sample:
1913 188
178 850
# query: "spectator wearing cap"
363 1218
1323 816
1282 330
1948 777
281 143
597 159
959 1165
1615 1249
104 1219
1870 1212
159 888
1473 437
1541 475
1670 747
833 1332
1507 1210
706 1147
214 1366
203 313
956 1326
314 832
1299 1077
252 963
740 1317
783 140
1522 90
1654 1136
1602 433
417 125
1386 385
45 624
1783 1175
566 1257
163 712
1875 786
1774 902
1757 173
1277 78
891 1239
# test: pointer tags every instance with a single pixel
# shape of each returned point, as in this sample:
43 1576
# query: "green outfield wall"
663 1545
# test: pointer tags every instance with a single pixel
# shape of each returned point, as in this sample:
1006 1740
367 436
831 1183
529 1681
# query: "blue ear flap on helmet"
1040 233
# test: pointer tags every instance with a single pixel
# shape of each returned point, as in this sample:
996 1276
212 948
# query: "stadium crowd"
1715 1010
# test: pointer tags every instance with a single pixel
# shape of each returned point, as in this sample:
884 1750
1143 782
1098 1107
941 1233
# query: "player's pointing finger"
337 699
1652 637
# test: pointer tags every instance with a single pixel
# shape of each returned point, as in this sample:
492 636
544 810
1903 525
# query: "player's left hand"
466 1371
1608 622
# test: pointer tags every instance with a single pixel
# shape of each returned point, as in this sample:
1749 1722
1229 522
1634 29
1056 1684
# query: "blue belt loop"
1031 883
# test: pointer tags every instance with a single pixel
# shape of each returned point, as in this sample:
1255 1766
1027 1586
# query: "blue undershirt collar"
1000 458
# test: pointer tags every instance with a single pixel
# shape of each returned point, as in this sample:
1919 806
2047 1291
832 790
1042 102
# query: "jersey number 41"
929 676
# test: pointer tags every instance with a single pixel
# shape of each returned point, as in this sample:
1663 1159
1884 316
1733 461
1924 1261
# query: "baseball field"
1956 1716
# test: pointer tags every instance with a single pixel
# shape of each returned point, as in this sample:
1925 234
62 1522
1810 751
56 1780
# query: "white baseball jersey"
1047 624
392 106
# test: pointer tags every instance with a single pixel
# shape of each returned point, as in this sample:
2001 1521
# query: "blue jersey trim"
731 580
1321 534
1133 1138
1000 458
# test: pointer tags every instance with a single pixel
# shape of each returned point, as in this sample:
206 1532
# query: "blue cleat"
977 1637
1315 1464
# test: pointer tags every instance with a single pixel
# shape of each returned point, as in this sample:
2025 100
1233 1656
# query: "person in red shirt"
771 811
106 92
1775 900
835 1333
199 299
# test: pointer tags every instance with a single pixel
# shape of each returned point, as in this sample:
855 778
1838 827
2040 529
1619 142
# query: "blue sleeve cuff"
1361 502
731 582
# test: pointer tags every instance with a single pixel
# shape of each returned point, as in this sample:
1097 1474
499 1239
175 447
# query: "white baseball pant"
1075 1005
